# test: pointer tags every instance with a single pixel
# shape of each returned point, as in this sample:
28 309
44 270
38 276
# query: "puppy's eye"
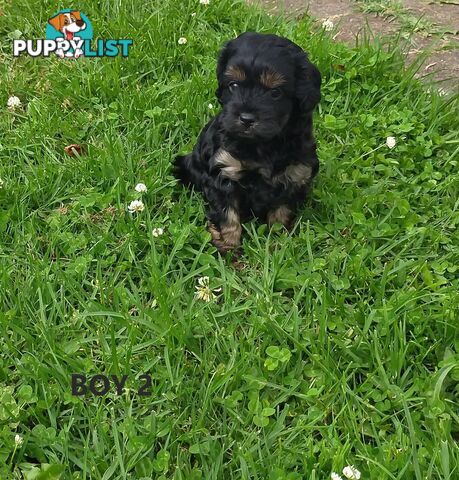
233 86
276 93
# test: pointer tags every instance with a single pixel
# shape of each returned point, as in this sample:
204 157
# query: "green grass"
335 345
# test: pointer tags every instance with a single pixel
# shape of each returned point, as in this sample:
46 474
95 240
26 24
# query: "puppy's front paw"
227 239
282 215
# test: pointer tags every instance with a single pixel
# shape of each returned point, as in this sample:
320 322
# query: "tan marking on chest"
230 167
295 175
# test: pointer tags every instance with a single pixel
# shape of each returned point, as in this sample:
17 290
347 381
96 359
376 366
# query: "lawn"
332 345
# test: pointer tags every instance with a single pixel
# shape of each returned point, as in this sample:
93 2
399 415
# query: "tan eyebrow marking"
271 79
235 73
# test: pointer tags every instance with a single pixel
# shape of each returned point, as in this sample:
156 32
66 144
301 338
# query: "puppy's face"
257 98
261 79
68 23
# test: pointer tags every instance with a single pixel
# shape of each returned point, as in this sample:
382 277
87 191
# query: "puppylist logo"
69 34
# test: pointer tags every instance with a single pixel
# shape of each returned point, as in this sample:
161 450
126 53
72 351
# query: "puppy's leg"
226 235
225 228
282 214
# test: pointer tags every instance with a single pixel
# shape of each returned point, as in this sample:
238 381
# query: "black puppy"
258 156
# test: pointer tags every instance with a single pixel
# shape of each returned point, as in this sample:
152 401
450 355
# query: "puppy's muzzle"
247 119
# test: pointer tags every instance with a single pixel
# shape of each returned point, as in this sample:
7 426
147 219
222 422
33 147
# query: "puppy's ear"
308 79
225 54
57 21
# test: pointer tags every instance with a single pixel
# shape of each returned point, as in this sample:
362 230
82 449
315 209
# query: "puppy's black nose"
247 118
80 23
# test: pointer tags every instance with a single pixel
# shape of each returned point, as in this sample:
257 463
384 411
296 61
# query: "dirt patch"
442 64
348 21
441 42
443 15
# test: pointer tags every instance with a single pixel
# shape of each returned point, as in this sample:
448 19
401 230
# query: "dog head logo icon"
68 23
73 27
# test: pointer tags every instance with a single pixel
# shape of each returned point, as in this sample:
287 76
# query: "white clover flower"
203 290
157 232
182 41
335 476
210 106
391 142
141 188
13 102
327 25
2 183
204 2
136 206
351 472
18 440
193 14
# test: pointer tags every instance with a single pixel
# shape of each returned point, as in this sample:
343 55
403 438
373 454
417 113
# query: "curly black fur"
258 156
